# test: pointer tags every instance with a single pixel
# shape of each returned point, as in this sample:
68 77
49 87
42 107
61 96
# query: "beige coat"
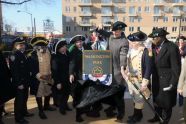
182 78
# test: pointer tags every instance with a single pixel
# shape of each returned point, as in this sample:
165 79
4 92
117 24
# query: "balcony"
159 14
106 3
85 23
85 4
107 24
178 4
135 14
86 14
107 14
159 3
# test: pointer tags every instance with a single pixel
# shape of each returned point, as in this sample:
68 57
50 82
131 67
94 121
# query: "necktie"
157 50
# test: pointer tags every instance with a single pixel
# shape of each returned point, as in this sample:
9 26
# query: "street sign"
97 65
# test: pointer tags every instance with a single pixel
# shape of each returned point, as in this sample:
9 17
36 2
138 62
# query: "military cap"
59 44
138 36
118 26
18 40
77 38
39 41
157 32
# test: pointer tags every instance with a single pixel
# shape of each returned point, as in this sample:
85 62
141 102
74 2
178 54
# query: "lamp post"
30 18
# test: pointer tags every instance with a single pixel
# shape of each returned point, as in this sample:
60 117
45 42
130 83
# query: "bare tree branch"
14 3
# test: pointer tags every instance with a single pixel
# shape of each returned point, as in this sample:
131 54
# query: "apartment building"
78 16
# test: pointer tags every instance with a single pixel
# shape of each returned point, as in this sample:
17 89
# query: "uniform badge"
12 58
22 62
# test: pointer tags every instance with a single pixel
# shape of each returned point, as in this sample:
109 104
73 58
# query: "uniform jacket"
141 63
182 78
119 48
35 72
19 67
166 71
7 90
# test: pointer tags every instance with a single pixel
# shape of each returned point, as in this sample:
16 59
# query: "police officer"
20 77
119 45
165 75
139 72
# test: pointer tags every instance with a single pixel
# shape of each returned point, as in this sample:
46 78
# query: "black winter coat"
7 90
19 66
166 71
60 68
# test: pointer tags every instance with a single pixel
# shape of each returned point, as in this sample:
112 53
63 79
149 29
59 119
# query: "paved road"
56 118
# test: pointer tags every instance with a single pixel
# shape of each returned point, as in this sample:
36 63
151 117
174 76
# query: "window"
174 29
176 10
106 20
138 28
106 10
147 9
165 19
131 10
85 1
165 28
131 19
68 28
184 19
75 9
131 29
139 9
156 10
175 19
184 9
85 10
123 9
67 9
85 28
139 19
106 1
116 9
68 19
156 19
86 20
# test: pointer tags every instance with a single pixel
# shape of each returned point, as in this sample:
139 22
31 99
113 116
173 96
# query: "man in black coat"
60 74
165 75
20 77
7 91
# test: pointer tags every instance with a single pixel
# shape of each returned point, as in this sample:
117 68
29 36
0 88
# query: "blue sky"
40 9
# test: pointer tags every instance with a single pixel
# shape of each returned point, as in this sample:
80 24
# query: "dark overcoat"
166 71
60 70
19 66
7 90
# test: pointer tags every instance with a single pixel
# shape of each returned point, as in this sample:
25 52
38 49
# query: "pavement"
56 118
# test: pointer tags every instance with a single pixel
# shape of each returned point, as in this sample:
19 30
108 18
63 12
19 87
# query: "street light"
31 19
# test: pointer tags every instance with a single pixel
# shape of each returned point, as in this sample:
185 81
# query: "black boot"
136 117
40 107
110 112
154 119
47 104
132 116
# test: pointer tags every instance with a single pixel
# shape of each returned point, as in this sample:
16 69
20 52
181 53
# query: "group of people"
143 66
